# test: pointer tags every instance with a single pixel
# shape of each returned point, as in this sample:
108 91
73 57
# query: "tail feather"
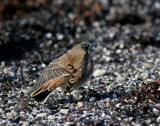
44 90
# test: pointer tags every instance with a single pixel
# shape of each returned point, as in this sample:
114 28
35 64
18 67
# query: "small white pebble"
43 65
108 58
110 87
41 115
96 24
118 105
118 51
13 113
8 115
111 35
59 36
157 5
144 75
48 35
34 111
44 121
120 78
80 104
103 114
67 124
64 111
25 123
156 111
99 72
158 119
51 117
85 112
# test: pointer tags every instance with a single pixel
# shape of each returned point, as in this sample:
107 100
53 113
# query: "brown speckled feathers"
61 72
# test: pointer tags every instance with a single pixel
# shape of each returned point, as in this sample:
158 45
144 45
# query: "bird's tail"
40 94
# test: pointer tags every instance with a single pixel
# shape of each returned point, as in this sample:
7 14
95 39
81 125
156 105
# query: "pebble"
41 115
64 111
85 112
25 123
120 78
59 36
44 121
13 113
108 58
158 119
111 78
110 87
156 111
34 111
144 75
157 5
43 65
11 74
67 124
37 125
118 51
118 105
8 115
114 95
99 72
9 124
48 35
51 117
80 104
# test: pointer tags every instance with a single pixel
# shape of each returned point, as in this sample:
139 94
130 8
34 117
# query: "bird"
68 72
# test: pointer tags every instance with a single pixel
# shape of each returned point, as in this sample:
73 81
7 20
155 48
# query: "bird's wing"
76 66
53 76
75 75
53 70
77 71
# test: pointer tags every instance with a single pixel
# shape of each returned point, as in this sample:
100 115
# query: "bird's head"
84 46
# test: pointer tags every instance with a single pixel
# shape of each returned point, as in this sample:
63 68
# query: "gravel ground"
125 87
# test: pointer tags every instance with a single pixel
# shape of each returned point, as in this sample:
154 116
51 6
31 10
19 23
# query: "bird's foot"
76 94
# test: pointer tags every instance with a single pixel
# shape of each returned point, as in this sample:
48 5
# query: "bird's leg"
70 96
89 90
44 101
76 94
69 92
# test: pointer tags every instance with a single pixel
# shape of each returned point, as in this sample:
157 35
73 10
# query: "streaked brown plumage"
69 72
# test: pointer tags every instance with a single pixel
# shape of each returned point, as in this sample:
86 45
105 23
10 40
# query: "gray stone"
64 111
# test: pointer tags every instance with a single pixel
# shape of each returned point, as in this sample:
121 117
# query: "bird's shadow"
87 95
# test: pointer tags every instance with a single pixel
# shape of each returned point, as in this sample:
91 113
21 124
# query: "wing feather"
53 70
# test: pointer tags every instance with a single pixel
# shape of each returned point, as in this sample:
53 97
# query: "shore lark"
69 72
